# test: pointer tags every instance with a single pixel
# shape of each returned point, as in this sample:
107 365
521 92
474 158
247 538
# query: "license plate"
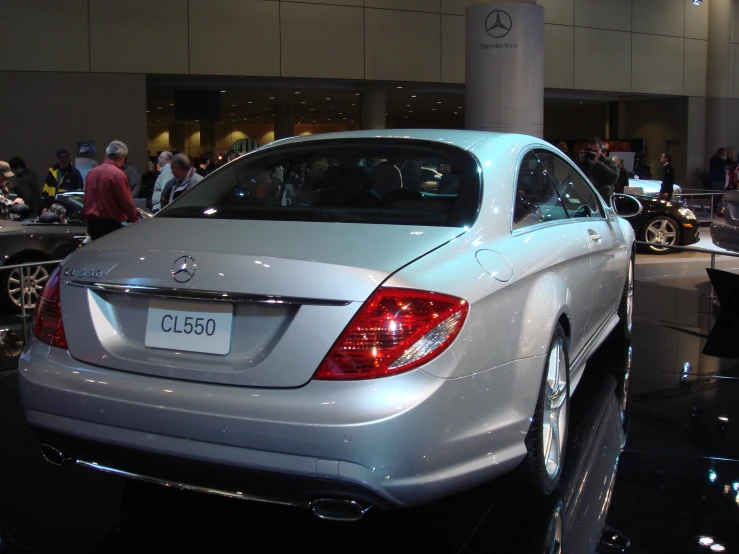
189 326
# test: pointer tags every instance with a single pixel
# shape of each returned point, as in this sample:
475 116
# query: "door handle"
595 237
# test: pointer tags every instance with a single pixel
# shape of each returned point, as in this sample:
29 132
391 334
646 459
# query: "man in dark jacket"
668 177
25 185
62 176
601 170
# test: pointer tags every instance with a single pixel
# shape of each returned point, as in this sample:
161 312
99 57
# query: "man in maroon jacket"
108 200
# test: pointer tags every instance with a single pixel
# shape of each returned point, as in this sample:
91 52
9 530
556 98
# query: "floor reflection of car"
662 223
726 233
369 349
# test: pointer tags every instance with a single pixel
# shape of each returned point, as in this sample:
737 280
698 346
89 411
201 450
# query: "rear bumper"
725 236
399 441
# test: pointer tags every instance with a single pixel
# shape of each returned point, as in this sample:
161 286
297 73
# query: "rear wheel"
547 437
34 281
661 231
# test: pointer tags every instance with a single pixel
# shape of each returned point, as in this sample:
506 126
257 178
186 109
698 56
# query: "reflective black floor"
676 488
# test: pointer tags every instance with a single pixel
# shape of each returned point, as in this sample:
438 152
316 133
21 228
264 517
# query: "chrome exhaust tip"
55 456
336 509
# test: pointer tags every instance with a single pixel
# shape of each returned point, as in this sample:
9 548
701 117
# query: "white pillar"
505 67
719 75
374 107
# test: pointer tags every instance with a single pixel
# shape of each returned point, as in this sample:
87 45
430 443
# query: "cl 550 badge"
83 273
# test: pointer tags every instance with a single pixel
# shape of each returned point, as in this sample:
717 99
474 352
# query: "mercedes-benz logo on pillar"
498 23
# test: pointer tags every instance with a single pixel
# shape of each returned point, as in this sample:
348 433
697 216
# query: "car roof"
465 139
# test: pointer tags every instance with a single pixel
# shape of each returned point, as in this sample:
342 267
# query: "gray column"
719 75
284 122
695 150
207 136
505 67
374 108
177 136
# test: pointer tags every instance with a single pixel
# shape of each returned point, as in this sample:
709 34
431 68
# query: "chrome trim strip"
194 488
209 295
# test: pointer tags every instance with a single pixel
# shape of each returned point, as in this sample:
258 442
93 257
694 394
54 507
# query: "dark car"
26 242
664 223
47 238
726 233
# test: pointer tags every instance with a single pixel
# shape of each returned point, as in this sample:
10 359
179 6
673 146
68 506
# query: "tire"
626 308
546 440
659 230
36 278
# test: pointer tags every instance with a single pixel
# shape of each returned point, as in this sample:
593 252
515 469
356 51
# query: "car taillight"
47 321
394 331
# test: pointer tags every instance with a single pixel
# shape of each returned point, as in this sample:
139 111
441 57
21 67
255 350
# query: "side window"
536 200
576 193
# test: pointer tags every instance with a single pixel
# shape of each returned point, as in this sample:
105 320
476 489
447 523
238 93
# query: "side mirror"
625 205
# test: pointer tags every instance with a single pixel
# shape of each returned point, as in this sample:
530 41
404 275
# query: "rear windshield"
386 181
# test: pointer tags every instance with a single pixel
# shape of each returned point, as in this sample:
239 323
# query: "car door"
607 249
547 243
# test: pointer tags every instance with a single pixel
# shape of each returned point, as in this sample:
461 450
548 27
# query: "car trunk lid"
275 294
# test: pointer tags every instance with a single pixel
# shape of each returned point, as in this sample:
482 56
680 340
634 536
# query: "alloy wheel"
554 424
661 231
35 279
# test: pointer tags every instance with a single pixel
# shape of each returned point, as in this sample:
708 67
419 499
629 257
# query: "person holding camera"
601 170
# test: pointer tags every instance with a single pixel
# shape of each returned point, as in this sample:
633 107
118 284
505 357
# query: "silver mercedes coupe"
311 326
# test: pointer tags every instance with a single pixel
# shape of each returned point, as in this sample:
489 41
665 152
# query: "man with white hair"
164 177
108 200
184 177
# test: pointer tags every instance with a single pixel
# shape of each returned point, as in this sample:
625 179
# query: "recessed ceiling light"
459 107
159 108
356 94
328 99
433 109
407 105
455 113
353 104
223 91
400 87
313 109
341 113
297 92
406 117
271 97
302 102
438 102
413 95
171 104
249 102
147 111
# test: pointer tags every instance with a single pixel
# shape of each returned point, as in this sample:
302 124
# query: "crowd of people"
110 188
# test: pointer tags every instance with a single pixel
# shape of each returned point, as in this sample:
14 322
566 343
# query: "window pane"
536 199
576 193
401 182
